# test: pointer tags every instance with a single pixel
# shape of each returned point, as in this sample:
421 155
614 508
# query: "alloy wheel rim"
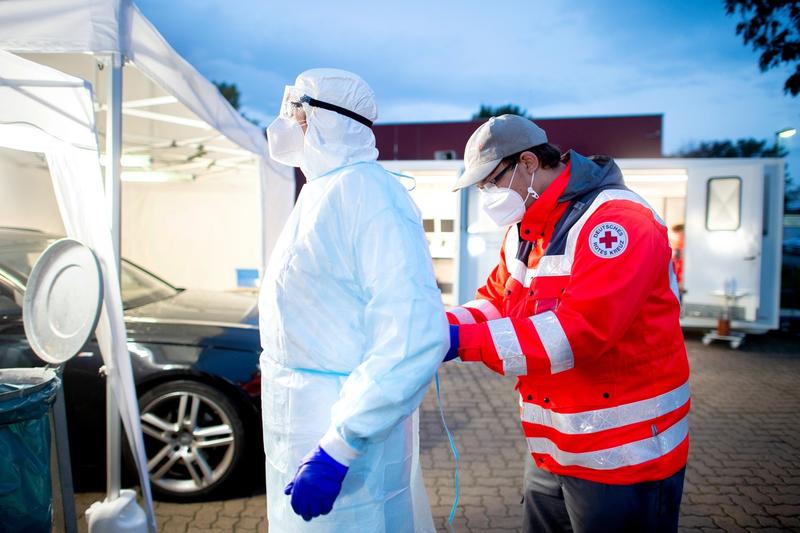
189 441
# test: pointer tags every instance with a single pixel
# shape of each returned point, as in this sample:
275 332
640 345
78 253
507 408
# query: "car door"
85 397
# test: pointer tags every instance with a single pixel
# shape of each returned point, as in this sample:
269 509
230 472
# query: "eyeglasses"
494 179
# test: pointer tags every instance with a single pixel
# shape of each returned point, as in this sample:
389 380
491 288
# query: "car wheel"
193 438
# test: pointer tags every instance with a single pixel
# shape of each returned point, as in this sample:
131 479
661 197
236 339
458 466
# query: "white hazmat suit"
352 325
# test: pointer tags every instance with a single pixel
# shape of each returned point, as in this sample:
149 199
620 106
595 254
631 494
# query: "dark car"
195 362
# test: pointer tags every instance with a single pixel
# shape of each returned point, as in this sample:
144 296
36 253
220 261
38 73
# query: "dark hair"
548 155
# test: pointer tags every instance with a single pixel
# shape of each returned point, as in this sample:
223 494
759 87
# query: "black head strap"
336 109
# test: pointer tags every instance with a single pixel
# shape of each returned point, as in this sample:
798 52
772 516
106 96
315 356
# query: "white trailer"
731 209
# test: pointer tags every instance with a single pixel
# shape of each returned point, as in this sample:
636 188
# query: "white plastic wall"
26 193
192 234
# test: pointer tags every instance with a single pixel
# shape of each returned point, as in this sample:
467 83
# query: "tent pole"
113 196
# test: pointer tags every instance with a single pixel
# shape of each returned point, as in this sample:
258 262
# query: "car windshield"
139 287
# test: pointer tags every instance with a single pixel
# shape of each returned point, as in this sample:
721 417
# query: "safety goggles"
291 105
294 101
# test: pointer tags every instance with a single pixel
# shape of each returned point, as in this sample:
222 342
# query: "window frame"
709 183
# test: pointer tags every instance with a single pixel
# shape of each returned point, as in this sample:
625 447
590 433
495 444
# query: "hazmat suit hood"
333 140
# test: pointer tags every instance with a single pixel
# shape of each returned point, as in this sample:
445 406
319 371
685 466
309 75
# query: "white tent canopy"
172 114
102 27
49 112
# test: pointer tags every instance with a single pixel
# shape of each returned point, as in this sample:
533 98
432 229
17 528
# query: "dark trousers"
556 503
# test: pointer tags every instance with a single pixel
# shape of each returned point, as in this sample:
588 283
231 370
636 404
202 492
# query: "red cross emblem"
608 240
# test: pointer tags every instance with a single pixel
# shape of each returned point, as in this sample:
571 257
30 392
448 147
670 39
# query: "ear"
529 161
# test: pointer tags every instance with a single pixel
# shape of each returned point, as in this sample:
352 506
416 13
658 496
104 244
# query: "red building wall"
633 136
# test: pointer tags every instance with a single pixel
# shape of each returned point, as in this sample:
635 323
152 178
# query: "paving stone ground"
744 465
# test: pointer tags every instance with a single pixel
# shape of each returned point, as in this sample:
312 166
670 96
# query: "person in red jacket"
677 243
583 309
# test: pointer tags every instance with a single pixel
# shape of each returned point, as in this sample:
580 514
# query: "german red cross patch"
608 240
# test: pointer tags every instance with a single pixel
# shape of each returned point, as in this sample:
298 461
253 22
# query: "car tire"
198 456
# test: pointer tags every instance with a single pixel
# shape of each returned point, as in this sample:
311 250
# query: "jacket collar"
543 209
582 175
589 173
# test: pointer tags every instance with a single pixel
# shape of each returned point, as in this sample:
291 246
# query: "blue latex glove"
452 353
316 484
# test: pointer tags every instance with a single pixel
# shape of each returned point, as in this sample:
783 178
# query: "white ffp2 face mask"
285 139
504 205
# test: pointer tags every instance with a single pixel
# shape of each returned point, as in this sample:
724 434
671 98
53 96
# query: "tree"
740 148
487 111
747 148
231 93
772 27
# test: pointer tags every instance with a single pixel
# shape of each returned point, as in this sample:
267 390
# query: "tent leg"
113 195
113 442
119 511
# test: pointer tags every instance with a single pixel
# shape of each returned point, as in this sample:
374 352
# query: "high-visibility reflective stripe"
553 265
485 307
608 418
603 197
511 243
673 282
630 454
517 269
462 315
554 340
561 265
507 346
529 275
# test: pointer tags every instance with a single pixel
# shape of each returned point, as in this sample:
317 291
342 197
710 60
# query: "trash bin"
26 499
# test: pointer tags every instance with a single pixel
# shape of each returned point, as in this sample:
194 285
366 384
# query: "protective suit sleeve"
600 300
405 327
488 302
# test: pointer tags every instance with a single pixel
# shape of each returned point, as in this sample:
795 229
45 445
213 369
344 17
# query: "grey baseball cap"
495 139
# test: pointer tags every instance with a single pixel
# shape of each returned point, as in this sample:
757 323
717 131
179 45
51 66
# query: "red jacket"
583 308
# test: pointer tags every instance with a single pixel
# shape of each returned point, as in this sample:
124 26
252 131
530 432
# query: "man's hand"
316 484
452 353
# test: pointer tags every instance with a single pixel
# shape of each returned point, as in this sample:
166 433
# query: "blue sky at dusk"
429 60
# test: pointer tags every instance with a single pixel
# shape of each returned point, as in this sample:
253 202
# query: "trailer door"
724 219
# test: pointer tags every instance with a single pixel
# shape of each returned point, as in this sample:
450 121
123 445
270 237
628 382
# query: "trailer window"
724 204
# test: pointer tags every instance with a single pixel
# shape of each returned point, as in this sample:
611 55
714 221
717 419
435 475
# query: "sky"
431 60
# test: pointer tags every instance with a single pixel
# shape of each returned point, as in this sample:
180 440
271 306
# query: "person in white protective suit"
352 324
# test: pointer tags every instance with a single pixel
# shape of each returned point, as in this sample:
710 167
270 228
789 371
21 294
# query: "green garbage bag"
26 499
